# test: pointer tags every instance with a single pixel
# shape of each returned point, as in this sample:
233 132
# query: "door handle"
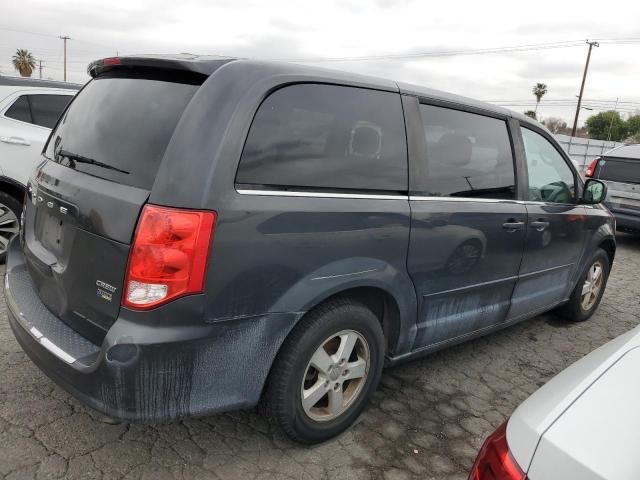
540 225
15 141
513 225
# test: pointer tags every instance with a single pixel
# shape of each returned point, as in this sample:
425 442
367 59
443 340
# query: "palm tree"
24 62
539 90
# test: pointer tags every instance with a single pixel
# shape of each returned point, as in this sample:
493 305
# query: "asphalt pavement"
427 420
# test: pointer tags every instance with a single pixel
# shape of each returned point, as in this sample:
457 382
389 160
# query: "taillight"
591 169
169 256
495 461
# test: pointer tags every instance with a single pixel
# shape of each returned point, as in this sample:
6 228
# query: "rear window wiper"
74 157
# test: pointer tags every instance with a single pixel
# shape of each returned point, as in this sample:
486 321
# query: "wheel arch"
13 188
603 237
608 245
387 291
381 302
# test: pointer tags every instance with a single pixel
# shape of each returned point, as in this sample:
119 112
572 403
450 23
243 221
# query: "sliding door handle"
513 225
540 225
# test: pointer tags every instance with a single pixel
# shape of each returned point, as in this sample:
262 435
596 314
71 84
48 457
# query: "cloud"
286 29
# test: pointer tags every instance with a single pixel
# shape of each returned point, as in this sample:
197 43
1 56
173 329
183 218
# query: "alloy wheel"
9 227
592 286
335 375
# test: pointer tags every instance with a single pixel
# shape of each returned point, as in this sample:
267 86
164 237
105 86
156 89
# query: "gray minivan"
619 169
206 234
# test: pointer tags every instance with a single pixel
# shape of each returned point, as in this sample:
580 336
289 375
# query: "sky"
352 35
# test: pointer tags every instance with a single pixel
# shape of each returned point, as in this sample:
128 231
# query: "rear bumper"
626 220
145 370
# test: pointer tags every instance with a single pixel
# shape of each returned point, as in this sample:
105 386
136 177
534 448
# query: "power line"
479 51
618 40
40 34
566 103
29 33
603 100
585 107
400 56
448 53
425 54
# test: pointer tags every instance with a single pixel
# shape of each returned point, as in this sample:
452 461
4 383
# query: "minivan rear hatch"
620 169
83 205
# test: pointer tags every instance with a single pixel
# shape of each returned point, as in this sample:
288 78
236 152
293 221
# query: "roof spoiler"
180 63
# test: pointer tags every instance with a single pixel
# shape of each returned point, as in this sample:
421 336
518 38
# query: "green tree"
532 114
633 125
24 62
607 126
539 90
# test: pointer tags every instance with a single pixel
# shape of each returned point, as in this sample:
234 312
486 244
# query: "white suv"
28 110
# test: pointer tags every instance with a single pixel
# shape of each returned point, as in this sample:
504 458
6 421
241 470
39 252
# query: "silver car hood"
536 425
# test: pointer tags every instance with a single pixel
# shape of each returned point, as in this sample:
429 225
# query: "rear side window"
326 137
46 109
19 110
41 110
468 155
123 123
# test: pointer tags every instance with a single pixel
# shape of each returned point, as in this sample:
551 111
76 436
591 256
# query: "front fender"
599 228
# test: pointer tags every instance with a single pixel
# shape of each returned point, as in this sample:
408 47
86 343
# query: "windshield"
120 122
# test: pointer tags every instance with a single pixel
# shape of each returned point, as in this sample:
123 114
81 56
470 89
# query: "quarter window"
326 137
41 110
468 155
47 108
19 110
550 178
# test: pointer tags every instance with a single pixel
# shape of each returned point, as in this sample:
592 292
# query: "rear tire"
10 211
589 289
314 391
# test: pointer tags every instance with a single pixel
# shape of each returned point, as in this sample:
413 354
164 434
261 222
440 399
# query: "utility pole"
65 38
615 110
584 77
40 68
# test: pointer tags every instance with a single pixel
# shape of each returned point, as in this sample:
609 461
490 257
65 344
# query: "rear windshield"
624 170
122 123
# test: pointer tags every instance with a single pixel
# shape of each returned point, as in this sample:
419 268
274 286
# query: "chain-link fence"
584 150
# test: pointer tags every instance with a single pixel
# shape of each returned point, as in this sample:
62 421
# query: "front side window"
326 137
47 108
550 178
468 155
19 110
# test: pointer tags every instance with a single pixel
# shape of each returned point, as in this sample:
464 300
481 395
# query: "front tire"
587 294
325 372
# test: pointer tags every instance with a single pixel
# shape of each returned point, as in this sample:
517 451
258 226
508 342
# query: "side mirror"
594 192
